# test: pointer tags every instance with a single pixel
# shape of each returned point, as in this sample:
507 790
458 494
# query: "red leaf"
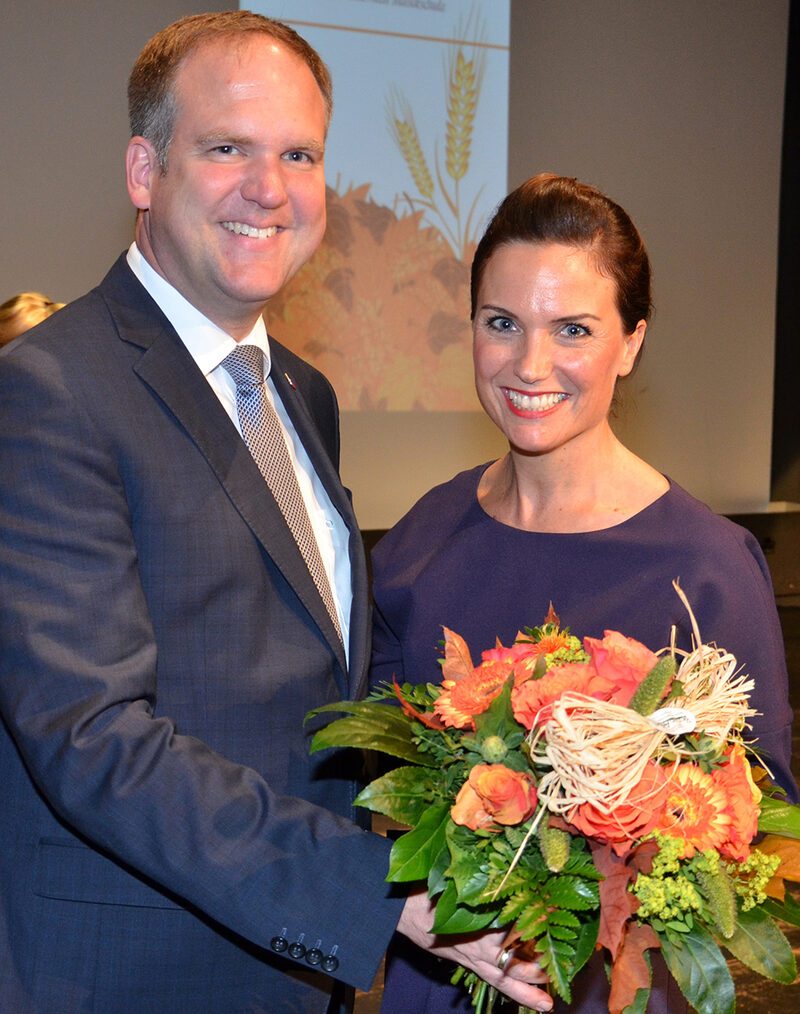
630 971
427 717
552 616
457 660
617 904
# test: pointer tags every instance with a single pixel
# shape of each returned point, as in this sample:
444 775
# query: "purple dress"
448 563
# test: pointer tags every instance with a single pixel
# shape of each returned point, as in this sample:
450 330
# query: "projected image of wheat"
442 201
383 306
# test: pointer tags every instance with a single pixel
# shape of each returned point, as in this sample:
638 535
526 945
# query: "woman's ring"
503 958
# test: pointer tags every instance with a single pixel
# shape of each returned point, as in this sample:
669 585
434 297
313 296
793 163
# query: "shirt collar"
207 344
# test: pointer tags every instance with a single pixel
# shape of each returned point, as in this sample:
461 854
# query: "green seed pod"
554 845
721 897
493 749
650 691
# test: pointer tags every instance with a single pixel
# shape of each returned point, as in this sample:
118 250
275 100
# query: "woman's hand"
479 953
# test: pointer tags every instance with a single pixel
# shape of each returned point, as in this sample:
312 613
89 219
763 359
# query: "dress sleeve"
737 611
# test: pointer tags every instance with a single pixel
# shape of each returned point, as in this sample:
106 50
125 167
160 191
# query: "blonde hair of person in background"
22 312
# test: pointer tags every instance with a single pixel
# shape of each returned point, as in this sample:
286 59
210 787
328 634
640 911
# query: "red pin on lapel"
290 380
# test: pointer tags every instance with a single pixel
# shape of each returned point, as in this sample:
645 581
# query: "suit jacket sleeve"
134 750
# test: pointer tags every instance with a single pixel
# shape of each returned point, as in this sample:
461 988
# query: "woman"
560 304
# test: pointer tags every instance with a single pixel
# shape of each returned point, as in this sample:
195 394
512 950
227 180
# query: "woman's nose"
535 361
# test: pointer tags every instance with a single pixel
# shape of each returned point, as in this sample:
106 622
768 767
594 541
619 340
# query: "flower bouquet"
588 795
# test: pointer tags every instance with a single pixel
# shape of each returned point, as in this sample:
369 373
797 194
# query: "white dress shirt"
209 345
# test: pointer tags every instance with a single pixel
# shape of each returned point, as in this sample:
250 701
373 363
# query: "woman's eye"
575 331
501 324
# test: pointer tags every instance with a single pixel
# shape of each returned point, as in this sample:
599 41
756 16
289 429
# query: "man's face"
241 206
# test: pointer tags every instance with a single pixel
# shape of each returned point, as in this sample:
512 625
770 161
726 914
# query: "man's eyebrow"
221 137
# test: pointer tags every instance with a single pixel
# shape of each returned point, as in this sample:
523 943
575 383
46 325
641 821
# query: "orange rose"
468 809
743 796
622 661
630 820
532 701
494 793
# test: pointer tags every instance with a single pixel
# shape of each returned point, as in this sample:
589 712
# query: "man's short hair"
151 92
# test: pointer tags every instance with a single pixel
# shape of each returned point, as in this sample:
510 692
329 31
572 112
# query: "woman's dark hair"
559 209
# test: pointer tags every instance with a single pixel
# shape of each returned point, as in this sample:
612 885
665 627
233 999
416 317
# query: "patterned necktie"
263 435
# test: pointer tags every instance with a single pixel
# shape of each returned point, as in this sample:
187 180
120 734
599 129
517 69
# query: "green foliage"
787 911
720 896
653 687
380 727
403 794
453 917
701 971
778 817
557 913
554 845
758 943
414 853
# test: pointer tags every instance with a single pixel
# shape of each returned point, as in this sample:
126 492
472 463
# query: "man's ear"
141 167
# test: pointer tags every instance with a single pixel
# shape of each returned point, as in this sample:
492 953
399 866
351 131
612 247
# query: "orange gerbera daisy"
743 796
696 810
461 700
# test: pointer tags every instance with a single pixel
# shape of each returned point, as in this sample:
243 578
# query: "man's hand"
478 953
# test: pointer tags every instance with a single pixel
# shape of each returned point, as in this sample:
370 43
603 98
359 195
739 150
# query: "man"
166 841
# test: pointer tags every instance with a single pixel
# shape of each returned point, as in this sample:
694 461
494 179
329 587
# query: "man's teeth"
533 402
240 228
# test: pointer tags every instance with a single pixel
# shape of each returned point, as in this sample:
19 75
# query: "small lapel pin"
291 382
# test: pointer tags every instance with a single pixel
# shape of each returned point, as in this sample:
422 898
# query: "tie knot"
245 366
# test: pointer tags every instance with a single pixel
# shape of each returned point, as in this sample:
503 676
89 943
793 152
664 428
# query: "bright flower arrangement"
588 795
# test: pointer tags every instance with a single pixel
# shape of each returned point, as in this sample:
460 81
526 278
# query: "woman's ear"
633 342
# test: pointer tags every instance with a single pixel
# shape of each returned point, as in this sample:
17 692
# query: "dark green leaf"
468 867
639 1005
437 879
587 938
778 817
701 971
414 853
450 917
759 944
787 910
403 794
573 893
498 719
379 727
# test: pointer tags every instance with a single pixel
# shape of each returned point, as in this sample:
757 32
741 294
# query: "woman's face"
548 345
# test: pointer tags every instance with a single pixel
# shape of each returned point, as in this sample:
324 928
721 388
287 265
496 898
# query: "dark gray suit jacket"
162 825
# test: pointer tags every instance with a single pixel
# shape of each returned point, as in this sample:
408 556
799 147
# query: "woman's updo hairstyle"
559 209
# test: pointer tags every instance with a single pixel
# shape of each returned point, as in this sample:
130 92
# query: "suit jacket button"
279 944
330 964
297 950
314 956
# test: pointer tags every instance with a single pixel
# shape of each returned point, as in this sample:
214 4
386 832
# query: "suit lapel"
169 370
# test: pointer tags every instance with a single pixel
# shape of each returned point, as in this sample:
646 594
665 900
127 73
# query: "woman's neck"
564 491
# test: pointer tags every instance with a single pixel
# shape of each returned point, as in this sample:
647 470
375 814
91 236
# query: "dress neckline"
478 475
